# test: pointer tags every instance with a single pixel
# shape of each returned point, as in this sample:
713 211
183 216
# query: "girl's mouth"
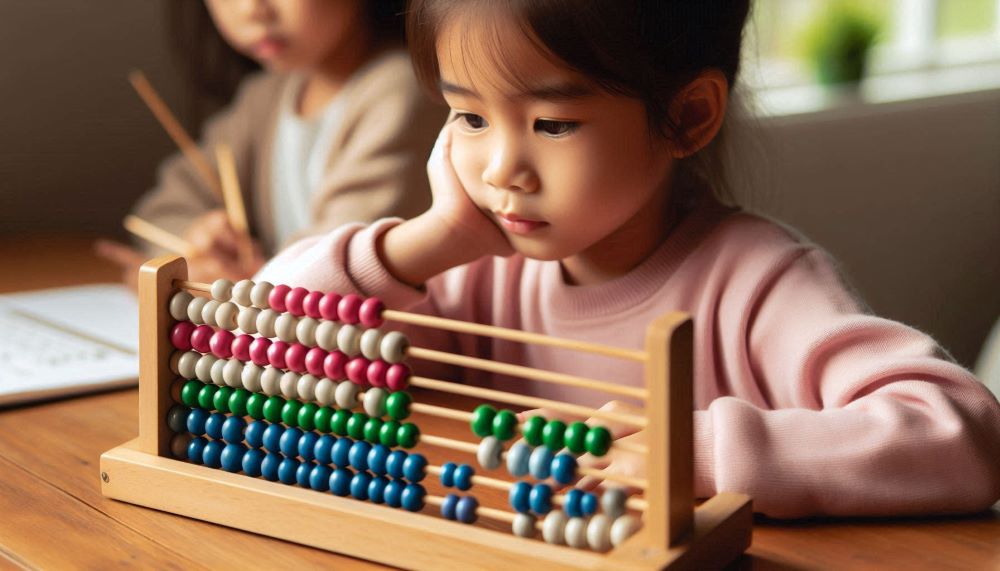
517 225
269 47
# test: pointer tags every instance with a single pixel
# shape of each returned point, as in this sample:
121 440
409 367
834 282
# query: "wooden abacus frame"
676 533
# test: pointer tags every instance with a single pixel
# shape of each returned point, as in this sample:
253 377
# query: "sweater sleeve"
867 416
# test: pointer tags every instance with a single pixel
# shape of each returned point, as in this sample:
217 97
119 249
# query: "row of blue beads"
457 475
525 498
541 463
460 508
579 503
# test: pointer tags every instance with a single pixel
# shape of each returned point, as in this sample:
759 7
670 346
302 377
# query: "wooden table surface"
53 514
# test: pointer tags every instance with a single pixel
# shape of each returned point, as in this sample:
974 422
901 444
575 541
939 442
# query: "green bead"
398 405
338 423
356 425
387 433
221 399
373 427
206 396
272 408
306 415
290 412
408 435
532 430
576 435
482 420
189 392
238 402
504 425
598 441
321 420
255 406
554 435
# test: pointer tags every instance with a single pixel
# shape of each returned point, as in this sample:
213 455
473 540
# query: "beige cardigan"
376 167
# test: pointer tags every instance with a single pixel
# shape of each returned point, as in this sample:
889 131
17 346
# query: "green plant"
837 42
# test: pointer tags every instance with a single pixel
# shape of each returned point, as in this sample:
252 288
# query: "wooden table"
54 516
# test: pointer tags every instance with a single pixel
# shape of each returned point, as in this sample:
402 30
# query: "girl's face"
287 34
567 171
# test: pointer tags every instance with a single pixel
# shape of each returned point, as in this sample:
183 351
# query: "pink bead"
222 344
314 361
241 347
276 299
397 378
201 338
376 373
180 335
371 312
357 370
311 304
328 306
295 357
276 354
333 366
294 299
259 351
348 308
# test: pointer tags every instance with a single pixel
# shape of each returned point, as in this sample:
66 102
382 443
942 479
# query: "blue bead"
251 462
232 429
213 426
232 457
319 478
394 463
448 506
572 504
376 489
272 437
307 445
393 493
323 448
303 474
177 418
255 433
289 442
564 468
359 485
415 467
195 449
541 499
517 459
463 477
340 481
448 474
540 462
413 497
588 504
269 466
212 456
196 421
465 512
377 458
287 469
519 494
340 452
358 456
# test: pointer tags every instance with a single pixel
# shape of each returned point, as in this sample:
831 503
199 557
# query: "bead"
465 511
415 467
375 375
195 449
504 425
303 473
489 452
613 501
179 304
295 357
206 396
408 435
554 435
341 452
180 335
272 437
588 504
377 457
290 412
259 294
369 343
334 365
347 395
482 420
387 433
359 485
269 466
540 499
196 421
241 292
322 448
208 312
574 437
349 340
371 429
319 478
519 494
225 315
622 528
272 408
187 363
238 402
338 423
258 351
598 441
532 430
284 327
370 312
240 347
398 404
357 370
412 499
324 392
393 493
276 354
203 368
254 433
397 378
376 489
563 468
222 289
340 481
314 361
306 387
310 304
265 322
571 505
246 320
576 532
348 308
287 470
232 457
255 406
448 474
270 381
289 442
517 459
201 338
221 343
394 463
463 476
216 372
326 335
220 401
393 347
356 425
177 418
523 525
554 528
448 506
276 299
252 461
375 402
322 418
307 415
358 456
212 455
194 310
540 462
328 306
250 377
294 299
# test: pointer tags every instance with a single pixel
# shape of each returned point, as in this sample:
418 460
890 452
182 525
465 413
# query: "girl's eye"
555 128
471 120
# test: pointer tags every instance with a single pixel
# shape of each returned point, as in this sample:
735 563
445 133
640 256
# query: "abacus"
252 400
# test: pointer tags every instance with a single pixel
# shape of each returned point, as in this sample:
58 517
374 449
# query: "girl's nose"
509 170
255 9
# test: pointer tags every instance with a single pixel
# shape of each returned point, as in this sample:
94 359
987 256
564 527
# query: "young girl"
336 130
572 197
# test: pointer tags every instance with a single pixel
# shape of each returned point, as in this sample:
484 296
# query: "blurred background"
872 127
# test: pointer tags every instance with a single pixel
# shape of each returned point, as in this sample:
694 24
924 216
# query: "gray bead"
222 289
177 418
259 293
179 304
370 341
613 501
523 525
489 452
517 459
393 347
241 292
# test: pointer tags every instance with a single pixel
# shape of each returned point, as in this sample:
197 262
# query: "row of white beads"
598 532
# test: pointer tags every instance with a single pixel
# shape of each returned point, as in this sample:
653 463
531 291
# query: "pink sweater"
803 400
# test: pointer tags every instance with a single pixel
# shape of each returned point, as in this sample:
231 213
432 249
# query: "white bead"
346 395
623 528
232 375
179 305
305 331
203 370
265 322
375 402
349 340
217 372
187 364
270 381
554 527
393 347
259 293
208 312
289 384
489 452
324 392
524 525
326 335
247 319
284 327
222 289
306 387
599 533
241 292
194 310
250 379
370 341
576 532
613 501
179 444
225 316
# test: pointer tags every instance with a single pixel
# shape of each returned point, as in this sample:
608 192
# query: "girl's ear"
697 112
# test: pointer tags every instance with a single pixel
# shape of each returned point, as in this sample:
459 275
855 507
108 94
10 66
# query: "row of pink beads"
350 308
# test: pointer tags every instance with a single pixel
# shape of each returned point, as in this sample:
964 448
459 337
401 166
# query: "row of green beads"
487 421
308 416
578 437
